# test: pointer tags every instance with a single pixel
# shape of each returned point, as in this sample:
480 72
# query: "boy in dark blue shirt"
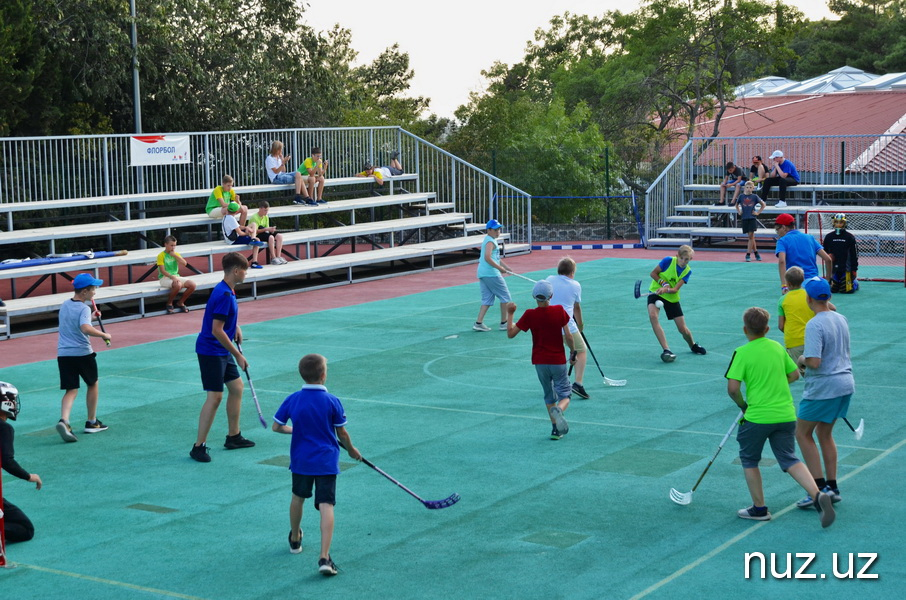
318 419
218 358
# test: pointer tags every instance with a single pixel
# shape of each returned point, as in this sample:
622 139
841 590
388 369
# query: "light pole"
136 98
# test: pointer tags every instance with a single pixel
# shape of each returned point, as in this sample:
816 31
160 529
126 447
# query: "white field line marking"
754 528
111 582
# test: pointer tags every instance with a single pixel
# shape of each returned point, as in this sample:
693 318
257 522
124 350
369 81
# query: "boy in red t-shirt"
549 326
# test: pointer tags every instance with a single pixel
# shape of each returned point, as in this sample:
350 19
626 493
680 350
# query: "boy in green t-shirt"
769 415
168 263
314 170
268 233
220 199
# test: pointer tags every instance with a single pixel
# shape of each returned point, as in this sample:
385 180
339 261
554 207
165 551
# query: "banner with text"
159 150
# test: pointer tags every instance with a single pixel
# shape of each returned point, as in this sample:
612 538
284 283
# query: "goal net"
880 239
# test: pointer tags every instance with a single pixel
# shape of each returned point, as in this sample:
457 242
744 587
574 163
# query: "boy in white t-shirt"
236 234
568 294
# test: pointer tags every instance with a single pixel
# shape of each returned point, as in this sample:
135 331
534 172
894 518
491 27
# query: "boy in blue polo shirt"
318 419
218 358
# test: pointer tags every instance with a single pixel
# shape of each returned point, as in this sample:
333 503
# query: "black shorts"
74 367
325 488
671 309
264 235
749 225
216 371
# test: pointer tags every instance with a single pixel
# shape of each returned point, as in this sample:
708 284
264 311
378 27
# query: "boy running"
218 358
793 314
318 419
667 278
546 324
768 414
75 358
490 277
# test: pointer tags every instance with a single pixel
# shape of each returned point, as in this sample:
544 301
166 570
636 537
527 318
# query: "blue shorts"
824 411
284 178
493 287
752 436
216 371
243 240
554 382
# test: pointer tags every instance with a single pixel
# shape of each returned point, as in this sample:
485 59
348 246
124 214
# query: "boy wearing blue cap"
75 358
829 385
549 325
490 277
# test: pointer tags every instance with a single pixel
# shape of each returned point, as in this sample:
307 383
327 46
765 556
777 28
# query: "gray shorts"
752 436
493 287
554 382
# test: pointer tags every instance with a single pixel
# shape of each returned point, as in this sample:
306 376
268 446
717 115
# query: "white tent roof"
844 79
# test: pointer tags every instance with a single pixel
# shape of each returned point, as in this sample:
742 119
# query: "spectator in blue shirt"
783 174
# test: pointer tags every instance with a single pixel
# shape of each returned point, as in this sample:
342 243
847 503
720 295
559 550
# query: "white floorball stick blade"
679 497
615 382
860 429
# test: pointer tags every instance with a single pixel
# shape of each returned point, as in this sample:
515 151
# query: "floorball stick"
686 498
432 504
522 277
856 430
254 395
100 320
607 380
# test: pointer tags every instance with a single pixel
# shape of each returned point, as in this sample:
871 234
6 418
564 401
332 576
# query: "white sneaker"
276 261
780 204
283 261
503 327
480 327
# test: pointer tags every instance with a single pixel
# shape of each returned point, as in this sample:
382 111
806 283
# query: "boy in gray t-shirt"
75 358
829 386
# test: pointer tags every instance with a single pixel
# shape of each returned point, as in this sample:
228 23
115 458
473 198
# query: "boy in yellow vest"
793 313
667 278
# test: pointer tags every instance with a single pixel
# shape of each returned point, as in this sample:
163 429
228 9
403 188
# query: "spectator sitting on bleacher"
379 173
221 197
268 233
234 233
783 174
168 263
734 178
275 165
757 172
841 246
313 171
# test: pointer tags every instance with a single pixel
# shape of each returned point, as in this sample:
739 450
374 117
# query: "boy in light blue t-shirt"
490 277
318 420
75 358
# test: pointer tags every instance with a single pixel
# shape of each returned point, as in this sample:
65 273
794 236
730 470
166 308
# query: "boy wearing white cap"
550 327
75 358
783 174
490 277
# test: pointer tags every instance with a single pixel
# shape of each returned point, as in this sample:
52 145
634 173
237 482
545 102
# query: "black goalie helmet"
9 399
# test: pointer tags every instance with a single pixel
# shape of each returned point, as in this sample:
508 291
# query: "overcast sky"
450 43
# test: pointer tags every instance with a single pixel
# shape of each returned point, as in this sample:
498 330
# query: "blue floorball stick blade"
446 502
637 292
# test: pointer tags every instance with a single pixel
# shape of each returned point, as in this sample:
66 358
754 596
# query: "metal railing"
872 160
66 167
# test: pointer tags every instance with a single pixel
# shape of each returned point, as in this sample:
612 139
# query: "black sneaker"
322 201
555 435
94 427
65 431
310 202
757 257
327 567
200 453
579 389
696 349
234 442
394 155
668 356
298 200
295 547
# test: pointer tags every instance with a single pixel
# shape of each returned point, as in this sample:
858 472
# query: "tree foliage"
66 67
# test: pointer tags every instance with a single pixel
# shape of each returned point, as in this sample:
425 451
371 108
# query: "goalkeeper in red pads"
841 246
